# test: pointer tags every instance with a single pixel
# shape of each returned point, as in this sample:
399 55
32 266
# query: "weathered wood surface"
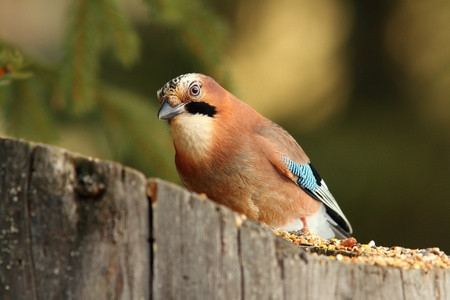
70 227
200 253
77 228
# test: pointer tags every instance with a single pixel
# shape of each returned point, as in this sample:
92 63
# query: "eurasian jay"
238 158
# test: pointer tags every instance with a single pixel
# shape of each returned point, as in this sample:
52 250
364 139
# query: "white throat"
192 134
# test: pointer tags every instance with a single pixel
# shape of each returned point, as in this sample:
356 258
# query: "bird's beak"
167 112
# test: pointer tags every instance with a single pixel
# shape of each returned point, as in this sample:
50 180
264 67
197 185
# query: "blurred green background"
363 86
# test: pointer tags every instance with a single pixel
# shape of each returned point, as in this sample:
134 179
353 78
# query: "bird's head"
204 117
189 93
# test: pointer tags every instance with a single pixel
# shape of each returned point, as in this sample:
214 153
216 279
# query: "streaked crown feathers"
173 87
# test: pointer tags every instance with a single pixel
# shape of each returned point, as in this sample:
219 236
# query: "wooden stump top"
73 227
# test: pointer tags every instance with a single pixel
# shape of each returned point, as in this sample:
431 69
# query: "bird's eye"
194 90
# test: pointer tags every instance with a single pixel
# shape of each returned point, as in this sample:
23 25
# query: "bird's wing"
292 161
309 180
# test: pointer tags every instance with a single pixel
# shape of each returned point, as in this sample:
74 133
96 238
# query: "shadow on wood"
78 228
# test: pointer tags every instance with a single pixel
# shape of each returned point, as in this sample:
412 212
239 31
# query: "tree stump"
73 227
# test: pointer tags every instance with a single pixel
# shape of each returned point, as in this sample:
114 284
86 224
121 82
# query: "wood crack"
27 220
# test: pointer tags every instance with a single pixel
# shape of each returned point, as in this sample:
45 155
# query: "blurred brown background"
364 88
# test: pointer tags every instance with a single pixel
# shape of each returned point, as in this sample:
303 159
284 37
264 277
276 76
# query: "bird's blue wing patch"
307 177
309 180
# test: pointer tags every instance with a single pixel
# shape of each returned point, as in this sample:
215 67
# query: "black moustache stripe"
202 108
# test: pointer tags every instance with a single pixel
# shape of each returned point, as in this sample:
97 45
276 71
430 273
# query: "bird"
238 158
